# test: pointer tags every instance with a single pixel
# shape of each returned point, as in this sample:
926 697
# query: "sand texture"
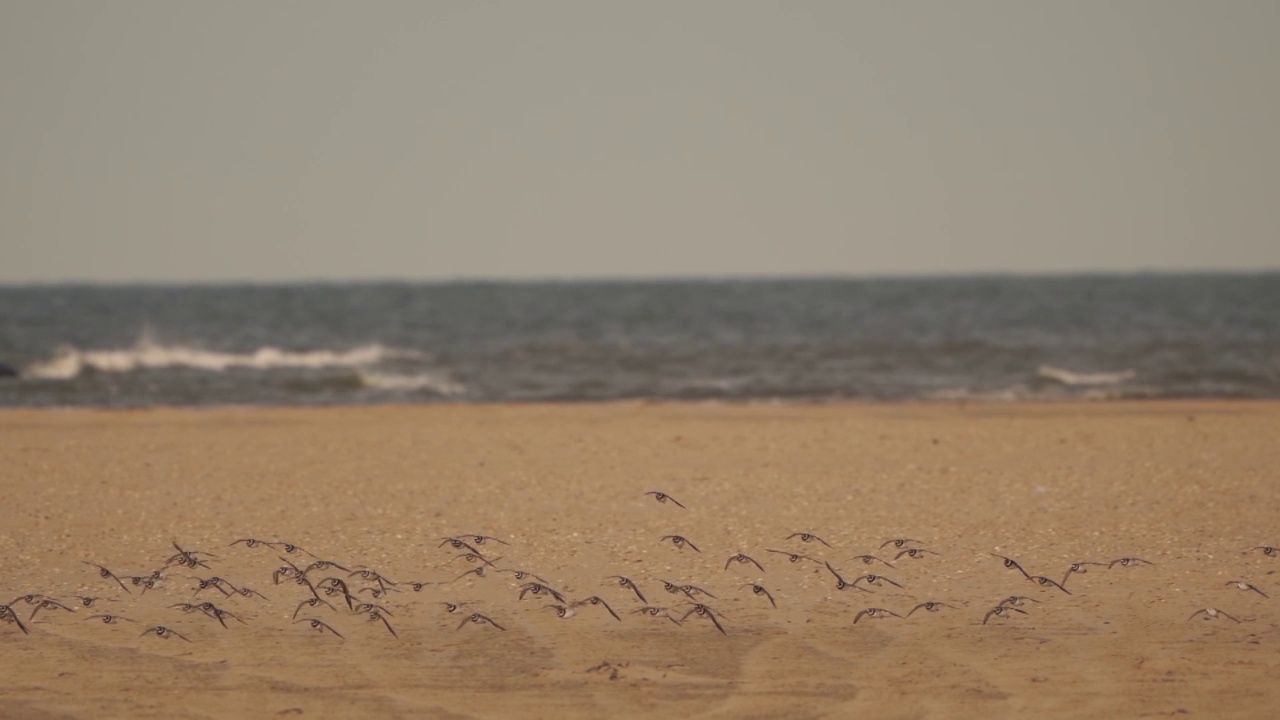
1189 487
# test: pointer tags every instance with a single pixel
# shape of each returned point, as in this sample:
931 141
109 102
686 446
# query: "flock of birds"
361 591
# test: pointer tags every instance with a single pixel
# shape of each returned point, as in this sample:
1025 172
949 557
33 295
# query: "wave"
1067 377
423 381
147 354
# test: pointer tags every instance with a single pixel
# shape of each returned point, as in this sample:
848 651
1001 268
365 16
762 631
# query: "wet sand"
1188 486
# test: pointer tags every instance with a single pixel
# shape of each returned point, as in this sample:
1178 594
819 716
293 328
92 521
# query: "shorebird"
376 616
481 539
538 589
594 600
704 611
1000 611
653 611
741 558
8 615
1079 567
214 582
897 542
1013 565
931 606
290 549
874 613
562 611
458 544
1212 614
371 575
108 619
663 497
324 565
1246 586
478 571
105 573
840 582
187 558
311 602
161 631
759 590
873 579
915 553
808 537
474 558
626 583
479 620
793 557
1046 582
520 575
1129 562
680 541
48 604
319 626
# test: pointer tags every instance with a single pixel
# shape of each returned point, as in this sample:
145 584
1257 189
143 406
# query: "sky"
183 141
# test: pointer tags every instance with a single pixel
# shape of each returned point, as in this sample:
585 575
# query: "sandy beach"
1188 486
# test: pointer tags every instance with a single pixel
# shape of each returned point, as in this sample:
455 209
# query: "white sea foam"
148 354
421 381
1067 377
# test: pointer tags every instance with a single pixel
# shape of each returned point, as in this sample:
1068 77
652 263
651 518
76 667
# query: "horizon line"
639 279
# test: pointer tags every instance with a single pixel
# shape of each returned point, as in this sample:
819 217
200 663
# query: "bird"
704 611
1013 565
595 600
1000 611
915 553
868 559
793 557
680 541
760 590
1242 585
808 537
1046 582
874 613
319 626
562 611
1079 567
1129 562
741 558
1212 614
840 582
627 583
479 620
663 497
931 606
161 631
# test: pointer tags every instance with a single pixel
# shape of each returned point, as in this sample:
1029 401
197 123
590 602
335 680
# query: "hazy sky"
268 140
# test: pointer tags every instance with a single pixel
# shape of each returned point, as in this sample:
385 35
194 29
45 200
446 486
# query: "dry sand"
1188 486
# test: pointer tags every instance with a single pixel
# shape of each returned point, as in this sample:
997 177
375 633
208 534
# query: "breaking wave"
423 381
1067 377
147 354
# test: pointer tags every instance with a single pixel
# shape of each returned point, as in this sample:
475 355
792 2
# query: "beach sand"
1188 486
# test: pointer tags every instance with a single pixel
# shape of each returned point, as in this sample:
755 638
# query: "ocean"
980 338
